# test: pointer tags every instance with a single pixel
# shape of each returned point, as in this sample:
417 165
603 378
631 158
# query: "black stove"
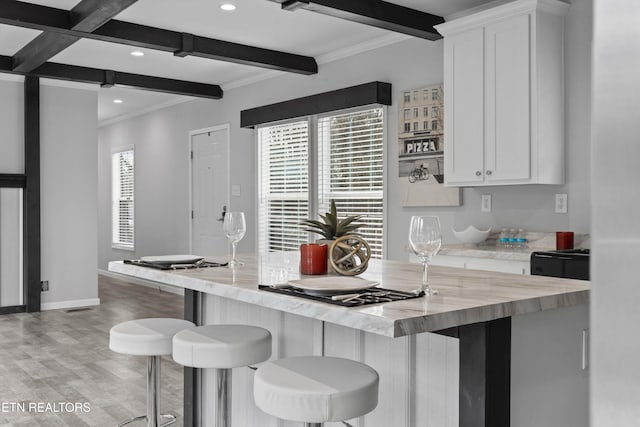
568 264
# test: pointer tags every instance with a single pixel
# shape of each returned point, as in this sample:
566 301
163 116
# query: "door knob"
478 173
223 213
489 173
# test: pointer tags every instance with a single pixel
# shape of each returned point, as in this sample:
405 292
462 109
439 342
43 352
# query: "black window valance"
354 96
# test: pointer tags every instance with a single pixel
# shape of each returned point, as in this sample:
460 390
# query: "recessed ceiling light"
228 7
137 53
118 101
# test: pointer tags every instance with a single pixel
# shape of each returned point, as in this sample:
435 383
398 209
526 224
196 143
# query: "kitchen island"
463 357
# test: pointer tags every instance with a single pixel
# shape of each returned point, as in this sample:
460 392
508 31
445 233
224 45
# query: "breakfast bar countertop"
465 296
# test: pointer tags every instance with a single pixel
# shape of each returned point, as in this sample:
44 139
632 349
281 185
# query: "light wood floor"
59 356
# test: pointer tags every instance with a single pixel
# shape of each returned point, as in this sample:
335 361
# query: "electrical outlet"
486 203
236 190
44 286
561 203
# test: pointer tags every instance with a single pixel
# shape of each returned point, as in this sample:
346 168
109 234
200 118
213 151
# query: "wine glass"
234 228
425 239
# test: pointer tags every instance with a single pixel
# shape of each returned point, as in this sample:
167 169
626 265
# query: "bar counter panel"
470 373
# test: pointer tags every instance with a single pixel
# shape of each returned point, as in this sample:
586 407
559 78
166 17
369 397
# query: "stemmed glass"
234 228
425 240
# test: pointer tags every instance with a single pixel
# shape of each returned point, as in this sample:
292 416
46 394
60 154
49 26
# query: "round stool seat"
222 346
146 337
315 389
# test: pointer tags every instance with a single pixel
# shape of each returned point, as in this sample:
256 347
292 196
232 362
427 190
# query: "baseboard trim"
69 304
143 282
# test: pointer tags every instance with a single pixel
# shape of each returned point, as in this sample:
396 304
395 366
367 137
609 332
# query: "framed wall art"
421 149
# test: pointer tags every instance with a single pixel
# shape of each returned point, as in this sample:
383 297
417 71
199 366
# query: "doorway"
209 198
11 246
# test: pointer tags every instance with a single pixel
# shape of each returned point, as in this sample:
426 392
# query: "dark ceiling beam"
109 78
376 13
23 14
184 44
87 15
34 16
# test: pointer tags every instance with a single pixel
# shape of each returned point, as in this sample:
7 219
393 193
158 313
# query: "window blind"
351 170
349 162
284 186
123 207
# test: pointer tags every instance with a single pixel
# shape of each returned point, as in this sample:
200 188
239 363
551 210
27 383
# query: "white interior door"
209 189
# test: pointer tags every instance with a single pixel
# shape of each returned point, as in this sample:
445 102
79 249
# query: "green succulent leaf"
332 227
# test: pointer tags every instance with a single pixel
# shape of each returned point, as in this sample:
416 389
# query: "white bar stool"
222 347
151 338
313 389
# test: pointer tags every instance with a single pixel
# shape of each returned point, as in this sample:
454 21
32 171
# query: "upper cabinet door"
504 95
508 100
464 108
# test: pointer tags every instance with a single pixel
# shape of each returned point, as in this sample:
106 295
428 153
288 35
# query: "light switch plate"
235 190
485 205
561 203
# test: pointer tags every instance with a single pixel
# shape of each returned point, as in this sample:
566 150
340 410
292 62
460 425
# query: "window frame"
313 164
119 245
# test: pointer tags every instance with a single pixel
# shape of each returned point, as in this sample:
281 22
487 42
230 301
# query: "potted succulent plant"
331 227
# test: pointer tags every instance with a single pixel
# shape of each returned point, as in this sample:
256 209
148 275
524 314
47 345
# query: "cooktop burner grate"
377 296
164 266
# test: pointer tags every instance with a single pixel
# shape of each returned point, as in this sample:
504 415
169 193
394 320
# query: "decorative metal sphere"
349 255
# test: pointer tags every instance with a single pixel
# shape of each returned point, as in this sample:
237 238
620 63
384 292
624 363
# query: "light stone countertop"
486 251
465 296
537 241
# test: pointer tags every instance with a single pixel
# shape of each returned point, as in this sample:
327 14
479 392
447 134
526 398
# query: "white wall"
12 135
615 378
68 160
69 226
162 135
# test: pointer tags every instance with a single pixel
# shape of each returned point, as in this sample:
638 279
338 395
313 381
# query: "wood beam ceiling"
377 13
87 15
108 78
50 19
92 19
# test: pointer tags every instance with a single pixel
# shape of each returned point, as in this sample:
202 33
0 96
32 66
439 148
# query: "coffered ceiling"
256 23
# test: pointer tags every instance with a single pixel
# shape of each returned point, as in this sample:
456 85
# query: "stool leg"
223 397
153 391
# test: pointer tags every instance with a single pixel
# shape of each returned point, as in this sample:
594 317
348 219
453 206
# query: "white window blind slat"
123 199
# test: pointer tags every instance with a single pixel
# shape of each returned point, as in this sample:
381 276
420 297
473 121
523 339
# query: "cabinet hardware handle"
489 172
478 173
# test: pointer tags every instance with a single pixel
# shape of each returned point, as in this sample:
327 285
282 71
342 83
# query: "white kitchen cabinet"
485 264
504 95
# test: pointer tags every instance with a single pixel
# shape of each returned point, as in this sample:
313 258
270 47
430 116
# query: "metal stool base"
153 417
320 424
172 419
